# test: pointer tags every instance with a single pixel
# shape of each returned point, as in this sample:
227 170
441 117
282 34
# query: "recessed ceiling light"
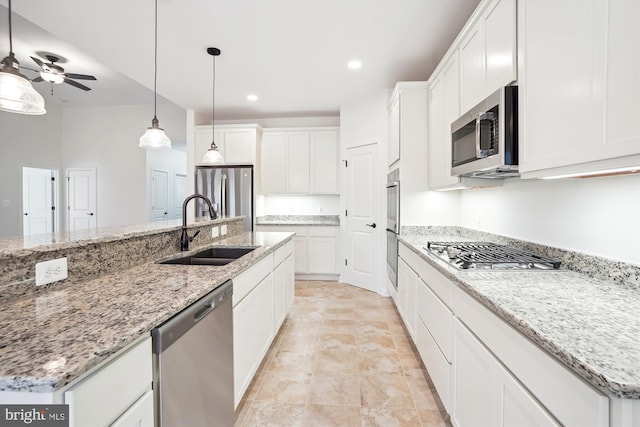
252 97
355 64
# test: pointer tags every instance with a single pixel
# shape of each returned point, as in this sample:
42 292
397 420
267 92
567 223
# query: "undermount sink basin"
218 255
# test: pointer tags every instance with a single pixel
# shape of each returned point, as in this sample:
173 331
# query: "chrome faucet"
185 239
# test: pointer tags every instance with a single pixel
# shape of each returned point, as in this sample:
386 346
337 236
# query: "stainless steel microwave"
484 140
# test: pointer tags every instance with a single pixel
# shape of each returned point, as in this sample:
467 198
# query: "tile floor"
342 358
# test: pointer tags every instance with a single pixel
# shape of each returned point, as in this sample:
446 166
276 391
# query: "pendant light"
213 154
155 137
16 93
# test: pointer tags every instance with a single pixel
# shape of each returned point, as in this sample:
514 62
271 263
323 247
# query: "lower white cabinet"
261 300
106 396
407 280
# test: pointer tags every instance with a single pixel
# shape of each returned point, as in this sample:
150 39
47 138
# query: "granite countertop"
590 325
53 337
330 220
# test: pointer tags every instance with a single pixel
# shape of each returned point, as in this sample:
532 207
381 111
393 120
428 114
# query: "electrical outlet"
214 232
223 229
51 271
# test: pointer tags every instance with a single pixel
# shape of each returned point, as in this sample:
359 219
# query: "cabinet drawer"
436 317
139 415
437 366
104 396
322 231
249 279
282 253
438 283
571 400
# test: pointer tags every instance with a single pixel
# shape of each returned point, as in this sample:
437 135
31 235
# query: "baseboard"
329 277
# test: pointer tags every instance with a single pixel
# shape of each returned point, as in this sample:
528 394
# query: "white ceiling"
291 53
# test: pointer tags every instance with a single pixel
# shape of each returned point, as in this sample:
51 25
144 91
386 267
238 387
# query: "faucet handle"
194 236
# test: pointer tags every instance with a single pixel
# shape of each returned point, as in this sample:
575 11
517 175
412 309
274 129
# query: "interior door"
362 246
179 193
159 195
38 206
82 197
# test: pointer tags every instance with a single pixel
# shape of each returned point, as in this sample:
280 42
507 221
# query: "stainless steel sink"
217 255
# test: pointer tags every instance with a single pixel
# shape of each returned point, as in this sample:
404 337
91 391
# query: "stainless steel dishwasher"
193 364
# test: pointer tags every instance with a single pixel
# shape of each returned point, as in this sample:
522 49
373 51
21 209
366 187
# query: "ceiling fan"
53 73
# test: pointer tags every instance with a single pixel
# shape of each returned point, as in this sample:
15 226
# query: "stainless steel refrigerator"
230 189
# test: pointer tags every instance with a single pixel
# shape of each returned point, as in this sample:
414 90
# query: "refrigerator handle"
223 196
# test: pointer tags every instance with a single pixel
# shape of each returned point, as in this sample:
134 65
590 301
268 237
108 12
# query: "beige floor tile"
340 314
338 390
376 343
372 327
411 365
332 416
385 391
293 342
370 363
301 360
390 417
431 418
336 362
283 386
402 343
333 341
339 326
422 394
269 414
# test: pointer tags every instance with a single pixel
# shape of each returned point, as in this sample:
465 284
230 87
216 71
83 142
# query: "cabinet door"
140 414
264 316
410 303
290 283
500 39
244 345
297 163
239 145
204 136
394 130
279 294
403 278
472 67
519 407
300 254
321 257
274 163
324 162
555 114
476 390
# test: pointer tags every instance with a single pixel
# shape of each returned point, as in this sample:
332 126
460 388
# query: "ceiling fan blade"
76 84
38 79
37 61
80 76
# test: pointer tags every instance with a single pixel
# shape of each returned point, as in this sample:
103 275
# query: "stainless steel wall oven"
393 224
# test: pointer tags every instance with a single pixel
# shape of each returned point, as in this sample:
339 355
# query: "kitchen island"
587 324
55 337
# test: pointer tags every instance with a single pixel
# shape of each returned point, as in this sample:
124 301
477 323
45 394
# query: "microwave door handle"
478 148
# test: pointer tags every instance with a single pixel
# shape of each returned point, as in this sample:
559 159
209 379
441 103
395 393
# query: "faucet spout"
185 239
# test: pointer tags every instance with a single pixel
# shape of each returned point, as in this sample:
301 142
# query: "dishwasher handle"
170 331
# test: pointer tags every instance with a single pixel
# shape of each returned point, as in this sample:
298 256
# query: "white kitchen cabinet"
407 279
393 150
237 143
259 300
589 122
485 392
488 51
105 395
290 283
324 158
140 414
300 161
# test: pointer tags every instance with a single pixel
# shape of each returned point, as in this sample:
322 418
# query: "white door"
179 193
159 194
362 246
82 196
38 201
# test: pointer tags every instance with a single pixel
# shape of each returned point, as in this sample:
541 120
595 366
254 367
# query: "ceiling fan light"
154 137
213 155
52 77
17 95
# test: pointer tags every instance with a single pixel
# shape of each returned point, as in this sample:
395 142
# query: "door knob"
26 213
91 213
371 225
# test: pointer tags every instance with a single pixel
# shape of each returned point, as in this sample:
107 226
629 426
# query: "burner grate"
486 255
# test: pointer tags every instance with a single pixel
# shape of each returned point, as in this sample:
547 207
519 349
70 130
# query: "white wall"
598 216
32 141
298 205
106 137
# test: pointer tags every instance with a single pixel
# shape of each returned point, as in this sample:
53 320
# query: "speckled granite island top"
592 326
328 220
51 338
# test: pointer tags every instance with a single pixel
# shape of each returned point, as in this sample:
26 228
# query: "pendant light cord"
155 65
213 94
10 40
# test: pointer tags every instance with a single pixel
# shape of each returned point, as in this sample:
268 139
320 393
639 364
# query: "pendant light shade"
213 154
155 137
16 93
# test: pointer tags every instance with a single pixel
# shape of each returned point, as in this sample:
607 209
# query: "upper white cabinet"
488 51
588 121
237 143
299 161
393 149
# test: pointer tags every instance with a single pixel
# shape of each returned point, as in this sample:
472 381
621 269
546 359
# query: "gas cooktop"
489 256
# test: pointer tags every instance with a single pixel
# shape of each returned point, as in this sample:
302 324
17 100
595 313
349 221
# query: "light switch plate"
214 232
51 271
223 229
